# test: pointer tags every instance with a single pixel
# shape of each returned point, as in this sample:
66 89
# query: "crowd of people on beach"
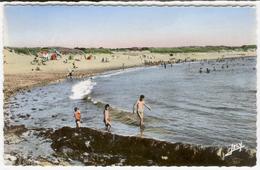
138 108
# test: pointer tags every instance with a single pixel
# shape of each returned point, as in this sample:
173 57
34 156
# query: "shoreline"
37 79
59 77
63 75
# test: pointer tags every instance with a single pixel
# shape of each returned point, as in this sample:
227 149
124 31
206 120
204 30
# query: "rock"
150 162
86 161
220 153
55 161
85 154
24 161
54 116
164 157
64 163
93 147
21 116
35 162
9 159
16 129
87 143
70 160
66 149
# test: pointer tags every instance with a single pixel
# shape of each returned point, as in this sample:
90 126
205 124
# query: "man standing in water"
139 107
77 116
107 119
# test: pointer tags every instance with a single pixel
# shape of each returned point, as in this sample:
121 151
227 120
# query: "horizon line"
132 46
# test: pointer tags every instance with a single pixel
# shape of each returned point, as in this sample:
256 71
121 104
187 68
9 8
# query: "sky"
120 27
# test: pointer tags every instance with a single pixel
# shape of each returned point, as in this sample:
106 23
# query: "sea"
214 108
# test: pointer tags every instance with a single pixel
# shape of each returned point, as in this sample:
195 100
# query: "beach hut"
44 55
57 55
53 56
89 57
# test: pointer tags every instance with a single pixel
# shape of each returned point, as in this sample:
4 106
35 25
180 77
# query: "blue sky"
112 27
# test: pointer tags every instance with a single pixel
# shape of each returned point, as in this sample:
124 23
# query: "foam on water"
81 89
114 73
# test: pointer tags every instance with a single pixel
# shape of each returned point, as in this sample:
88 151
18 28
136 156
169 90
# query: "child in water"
77 116
107 119
139 107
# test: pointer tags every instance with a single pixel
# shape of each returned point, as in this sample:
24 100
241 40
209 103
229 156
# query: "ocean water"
213 109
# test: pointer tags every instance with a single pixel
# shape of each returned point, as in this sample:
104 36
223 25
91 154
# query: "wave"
124 116
118 72
81 89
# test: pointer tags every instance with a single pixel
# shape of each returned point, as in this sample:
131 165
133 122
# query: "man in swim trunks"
77 116
139 107
107 119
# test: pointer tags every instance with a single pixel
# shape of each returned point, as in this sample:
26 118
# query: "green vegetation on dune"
34 51
95 50
26 51
77 50
201 49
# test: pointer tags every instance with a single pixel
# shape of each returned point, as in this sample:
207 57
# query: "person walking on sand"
77 116
139 107
107 119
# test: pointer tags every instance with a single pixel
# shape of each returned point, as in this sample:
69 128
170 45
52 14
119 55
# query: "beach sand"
19 73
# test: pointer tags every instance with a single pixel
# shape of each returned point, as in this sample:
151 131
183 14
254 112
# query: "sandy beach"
19 73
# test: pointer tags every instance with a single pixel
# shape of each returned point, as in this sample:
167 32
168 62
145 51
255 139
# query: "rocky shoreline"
92 147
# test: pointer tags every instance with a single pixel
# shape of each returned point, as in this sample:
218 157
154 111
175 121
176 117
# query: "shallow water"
218 108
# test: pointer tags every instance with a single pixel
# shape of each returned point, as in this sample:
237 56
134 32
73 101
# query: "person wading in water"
107 119
139 107
77 116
